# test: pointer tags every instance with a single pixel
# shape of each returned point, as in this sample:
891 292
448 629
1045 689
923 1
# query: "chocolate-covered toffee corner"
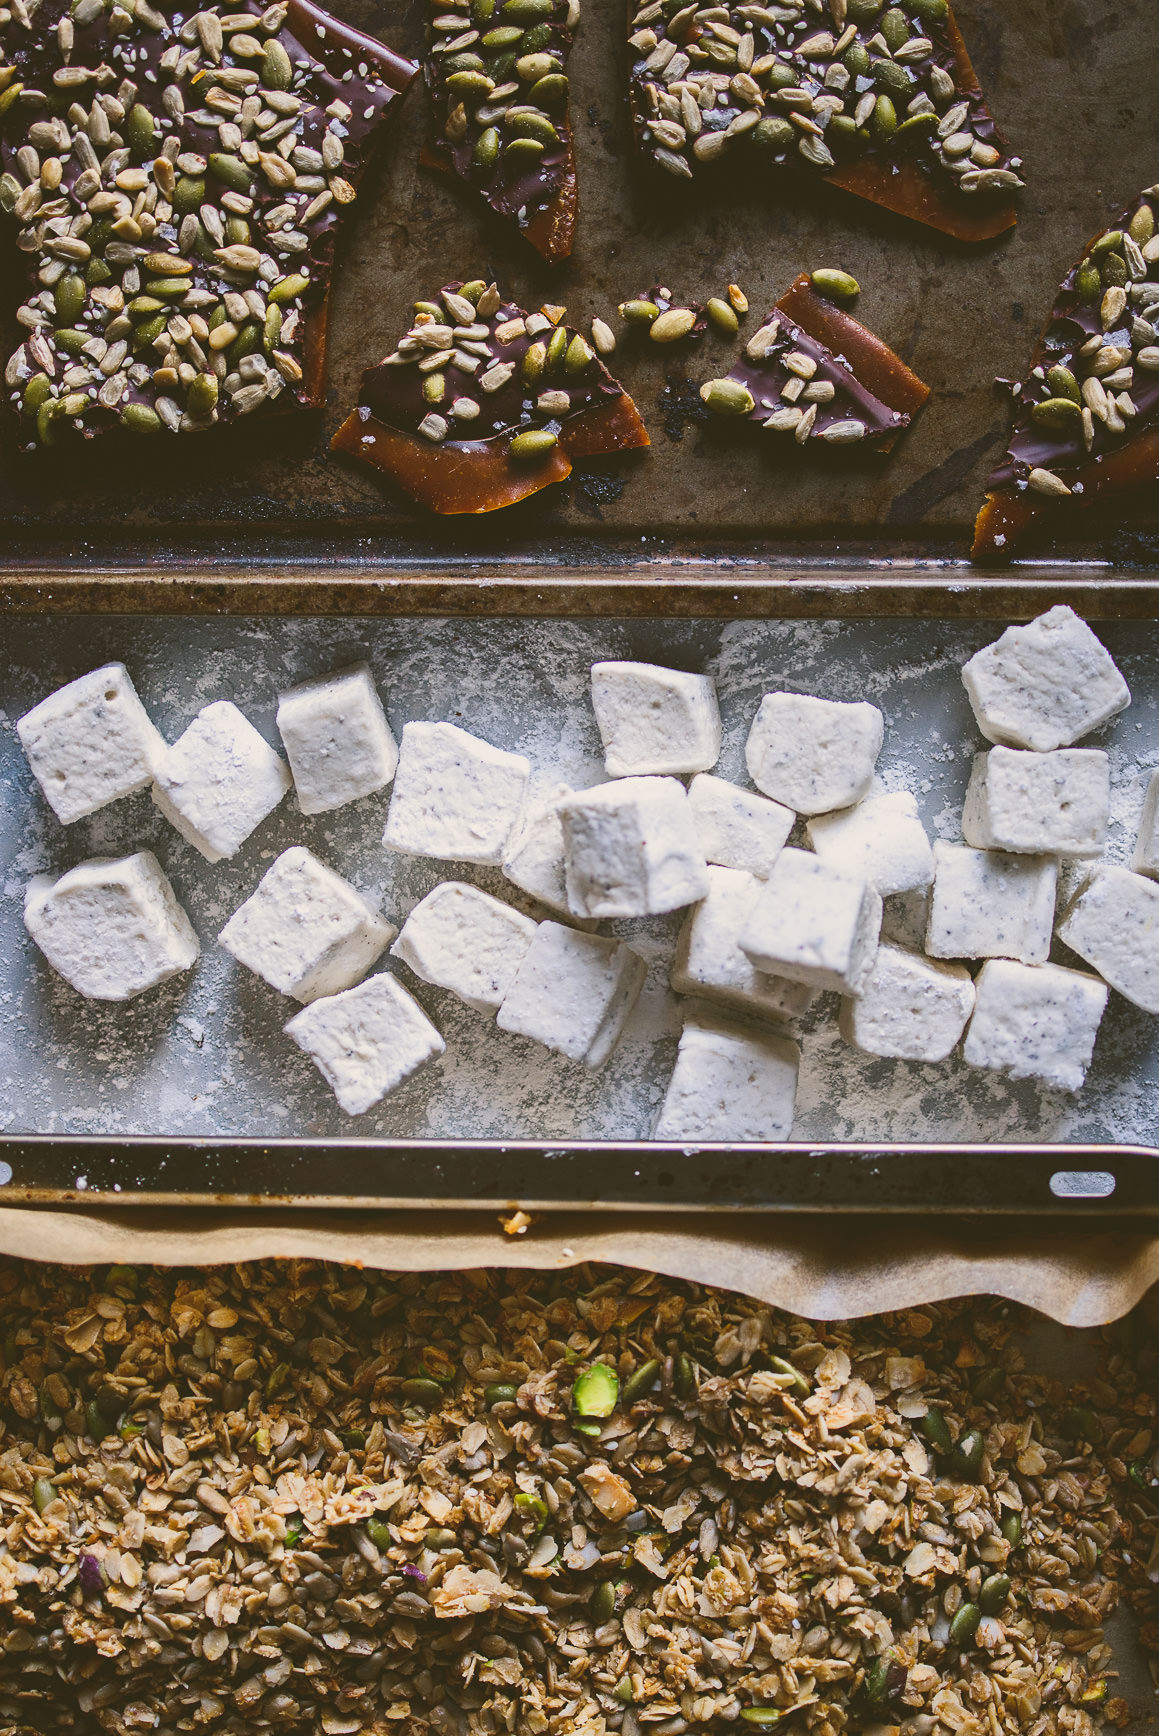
813 372
496 70
880 100
1086 418
173 182
483 404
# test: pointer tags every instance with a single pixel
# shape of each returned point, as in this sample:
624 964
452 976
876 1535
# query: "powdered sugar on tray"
204 1054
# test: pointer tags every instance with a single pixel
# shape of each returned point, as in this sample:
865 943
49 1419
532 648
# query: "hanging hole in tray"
1082 1184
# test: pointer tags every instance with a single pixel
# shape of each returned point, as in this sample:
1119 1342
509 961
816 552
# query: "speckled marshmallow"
630 849
366 1040
737 828
987 904
813 754
1035 1022
1112 921
219 780
813 926
454 796
461 939
1146 857
710 963
730 1082
337 739
90 743
1047 804
911 1008
881 840
655 720
573 993
305 930
535 862
1044 685
111 928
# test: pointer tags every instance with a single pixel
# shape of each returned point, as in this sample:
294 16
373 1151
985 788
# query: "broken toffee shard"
814 372
482 404
496 70
882 101
177 181
1086 420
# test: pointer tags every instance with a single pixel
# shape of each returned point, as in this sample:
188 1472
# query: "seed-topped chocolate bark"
1086 420
483 404
879 99
176 181
813 372
497 76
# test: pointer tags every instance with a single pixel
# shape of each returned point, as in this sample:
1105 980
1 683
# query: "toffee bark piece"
177 180
881 100
473 414
814 372
1086 418
497 74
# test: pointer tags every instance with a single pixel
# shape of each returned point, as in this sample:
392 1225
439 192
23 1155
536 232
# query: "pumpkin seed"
602 1603
230 170
524 152
883 121
288 288
527 11
276 71
1012 1529
995 1590
486 153
684 1376
800 1386
201 398
934 1427
140 132
895 29
419 1390
36 392
727 397
557 345
640 1383
1088 283
965 1624
1062 384
69 298
506 36
43 1494
672 325
533 126
837 284
379 1532
549 92
764 1715
500 1392
534 362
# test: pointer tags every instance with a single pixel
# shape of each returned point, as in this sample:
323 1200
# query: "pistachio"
526 125
838 285
379 1532
557 345
578 356
43 1494
727 397
201 398
470 84
532 1507
722 316
1088 283
597 1389
500 1392
672 325
524 153
231 171
639 312
419 1390
276 71
1142 227
1057 412
140 132
763 1715
434 387
773 133
534 362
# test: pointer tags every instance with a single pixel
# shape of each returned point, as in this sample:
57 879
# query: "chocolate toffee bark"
176 181
882 101
814 372
1086 420
496 72
482 404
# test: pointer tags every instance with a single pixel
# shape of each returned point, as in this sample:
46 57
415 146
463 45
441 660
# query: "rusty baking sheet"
1073 88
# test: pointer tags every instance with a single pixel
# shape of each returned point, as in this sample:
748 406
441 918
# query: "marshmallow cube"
461 939
219 780
988 904
1044 685
573 993
910 1008
881 840
1048 804
366 1040
1112 922
305 930
813 754
1146 857
111 928
337 739
90 743
454 796
729 1083
710 963
736 828
630 849
1035 1022
813 926
536 862
655 720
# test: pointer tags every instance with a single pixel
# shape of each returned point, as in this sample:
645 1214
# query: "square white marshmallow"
305 930
337 739
813 754
111 928
219 780
1146 857
366 1040
454 796
710 963
1044 685
737 828
655 720
813 926
573 993
1112 922
1035 1022
536 860
1046 804
729 1083
464 940
630 849
881 840
987 904
911 1008
90 743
